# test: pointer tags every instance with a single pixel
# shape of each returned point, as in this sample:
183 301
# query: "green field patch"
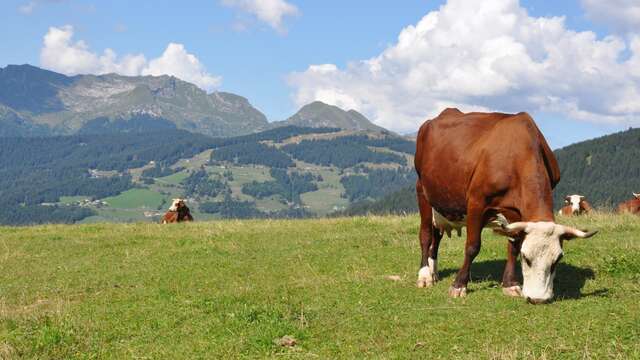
72 199
325 200
173 179
136 199
195 162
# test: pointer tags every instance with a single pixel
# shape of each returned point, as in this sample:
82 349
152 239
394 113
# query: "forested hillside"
131 175
36 172
606 170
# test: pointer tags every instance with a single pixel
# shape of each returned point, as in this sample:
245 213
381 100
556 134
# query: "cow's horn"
571 233
516 226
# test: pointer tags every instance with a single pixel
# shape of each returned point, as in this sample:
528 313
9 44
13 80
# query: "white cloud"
271 12
621 15
178 62
480 56
60 53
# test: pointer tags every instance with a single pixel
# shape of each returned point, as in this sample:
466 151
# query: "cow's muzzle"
537 301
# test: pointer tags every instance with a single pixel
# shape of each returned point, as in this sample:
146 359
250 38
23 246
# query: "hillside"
606 170
231 289
283 172
34 101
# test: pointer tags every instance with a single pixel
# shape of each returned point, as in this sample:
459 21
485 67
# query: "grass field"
135 198
230 289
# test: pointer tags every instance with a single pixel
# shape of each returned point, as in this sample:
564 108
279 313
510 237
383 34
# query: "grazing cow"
630 206
575 205
490 169
178 212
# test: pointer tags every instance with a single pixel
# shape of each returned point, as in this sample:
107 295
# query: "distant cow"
630 206
490 169
178 212
575 205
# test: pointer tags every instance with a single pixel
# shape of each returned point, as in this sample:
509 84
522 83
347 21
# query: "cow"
630 206
496 170
178 212
575 205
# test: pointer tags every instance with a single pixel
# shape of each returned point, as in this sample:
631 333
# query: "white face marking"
540 250
574 200
636 195
174 205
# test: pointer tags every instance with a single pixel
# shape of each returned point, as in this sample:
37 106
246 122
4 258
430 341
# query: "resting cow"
489 169
575 205
178 212
630 206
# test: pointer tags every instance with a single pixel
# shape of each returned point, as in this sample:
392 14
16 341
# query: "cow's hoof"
425 282
427 276
454 292
515 291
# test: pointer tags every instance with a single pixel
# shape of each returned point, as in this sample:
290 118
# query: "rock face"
34 101
319 114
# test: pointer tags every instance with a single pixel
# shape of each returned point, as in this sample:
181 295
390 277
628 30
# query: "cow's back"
485 153
630 206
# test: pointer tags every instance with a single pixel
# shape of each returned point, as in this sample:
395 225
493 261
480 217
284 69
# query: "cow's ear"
573 233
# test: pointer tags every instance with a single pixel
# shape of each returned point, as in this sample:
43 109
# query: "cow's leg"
475 222
427 275
510 283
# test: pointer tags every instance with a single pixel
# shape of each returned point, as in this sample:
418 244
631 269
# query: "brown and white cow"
490 169
575 205
178 212
630 206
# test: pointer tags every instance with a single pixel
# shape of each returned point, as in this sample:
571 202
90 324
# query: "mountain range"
34 101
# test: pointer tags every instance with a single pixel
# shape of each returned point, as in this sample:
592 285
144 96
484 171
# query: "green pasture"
233 289
135 199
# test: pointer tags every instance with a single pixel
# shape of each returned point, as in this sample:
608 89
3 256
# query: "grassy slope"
228 288
135 198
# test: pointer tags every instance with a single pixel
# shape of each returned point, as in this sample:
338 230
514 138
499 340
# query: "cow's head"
577 202
176 204
540 253
637 196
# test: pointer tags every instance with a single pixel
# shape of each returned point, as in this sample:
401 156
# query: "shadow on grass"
568 283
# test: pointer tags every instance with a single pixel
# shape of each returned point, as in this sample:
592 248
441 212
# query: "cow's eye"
553 267
526 260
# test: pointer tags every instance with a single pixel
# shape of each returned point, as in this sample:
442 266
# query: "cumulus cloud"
272 12
480 56
178 62
621 15
61 53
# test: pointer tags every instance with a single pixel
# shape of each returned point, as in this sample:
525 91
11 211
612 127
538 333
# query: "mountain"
34 101
318 114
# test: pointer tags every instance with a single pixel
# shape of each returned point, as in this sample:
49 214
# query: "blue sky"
257 57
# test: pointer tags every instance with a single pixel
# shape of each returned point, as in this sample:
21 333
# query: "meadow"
343 288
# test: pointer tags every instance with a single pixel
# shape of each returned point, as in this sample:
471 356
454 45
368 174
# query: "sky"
574 65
